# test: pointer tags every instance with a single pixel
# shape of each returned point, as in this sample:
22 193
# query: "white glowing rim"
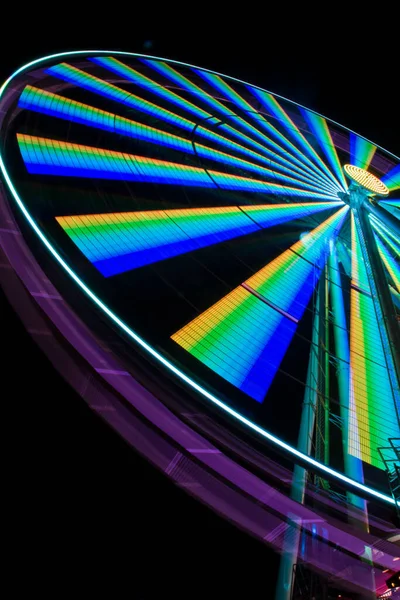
366 180
265 434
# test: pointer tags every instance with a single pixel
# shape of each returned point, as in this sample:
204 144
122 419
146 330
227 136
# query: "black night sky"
85 511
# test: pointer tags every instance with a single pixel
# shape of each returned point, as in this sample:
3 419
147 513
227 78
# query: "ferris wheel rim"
129 331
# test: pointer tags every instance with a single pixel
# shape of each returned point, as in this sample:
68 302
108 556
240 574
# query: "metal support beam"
326 367
352 465
307 423
373 208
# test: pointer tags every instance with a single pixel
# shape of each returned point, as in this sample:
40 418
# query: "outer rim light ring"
262 432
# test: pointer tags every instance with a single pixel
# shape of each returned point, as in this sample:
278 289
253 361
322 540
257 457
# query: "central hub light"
366 180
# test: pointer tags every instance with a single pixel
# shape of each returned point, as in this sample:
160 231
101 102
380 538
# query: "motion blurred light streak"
57 106
117 242
52 157
302 160
320 130
361 151
372 403
392 179
272 105
242 338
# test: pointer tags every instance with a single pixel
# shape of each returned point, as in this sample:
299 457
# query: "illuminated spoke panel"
392 265
112 92
395 203
283 162
390 239
392 179
116 66
272 105
361 151
118 242
392 206
52 157
53 105
286 148
244 336
319 128
134 76
372 404
184 83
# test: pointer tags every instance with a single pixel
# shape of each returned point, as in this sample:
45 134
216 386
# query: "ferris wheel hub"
366 181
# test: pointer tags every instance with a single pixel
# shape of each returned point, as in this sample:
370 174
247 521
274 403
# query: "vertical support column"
326 367
322 408
307 423
352 464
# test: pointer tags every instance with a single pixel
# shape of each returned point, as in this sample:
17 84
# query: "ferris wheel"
246 245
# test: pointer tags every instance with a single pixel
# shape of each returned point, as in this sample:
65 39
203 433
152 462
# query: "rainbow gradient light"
244 336
54 157
372 403
117 242
361 151
54 105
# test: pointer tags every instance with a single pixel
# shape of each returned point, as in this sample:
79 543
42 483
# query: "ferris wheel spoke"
54 105
392 206
390 261
284 147
392 179
320 129
361 151
244 336
371 392
52 157
387 236
272 105
184 83
118 242
155 88
110 91
135 77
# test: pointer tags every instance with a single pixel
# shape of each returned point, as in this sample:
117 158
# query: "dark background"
84 510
